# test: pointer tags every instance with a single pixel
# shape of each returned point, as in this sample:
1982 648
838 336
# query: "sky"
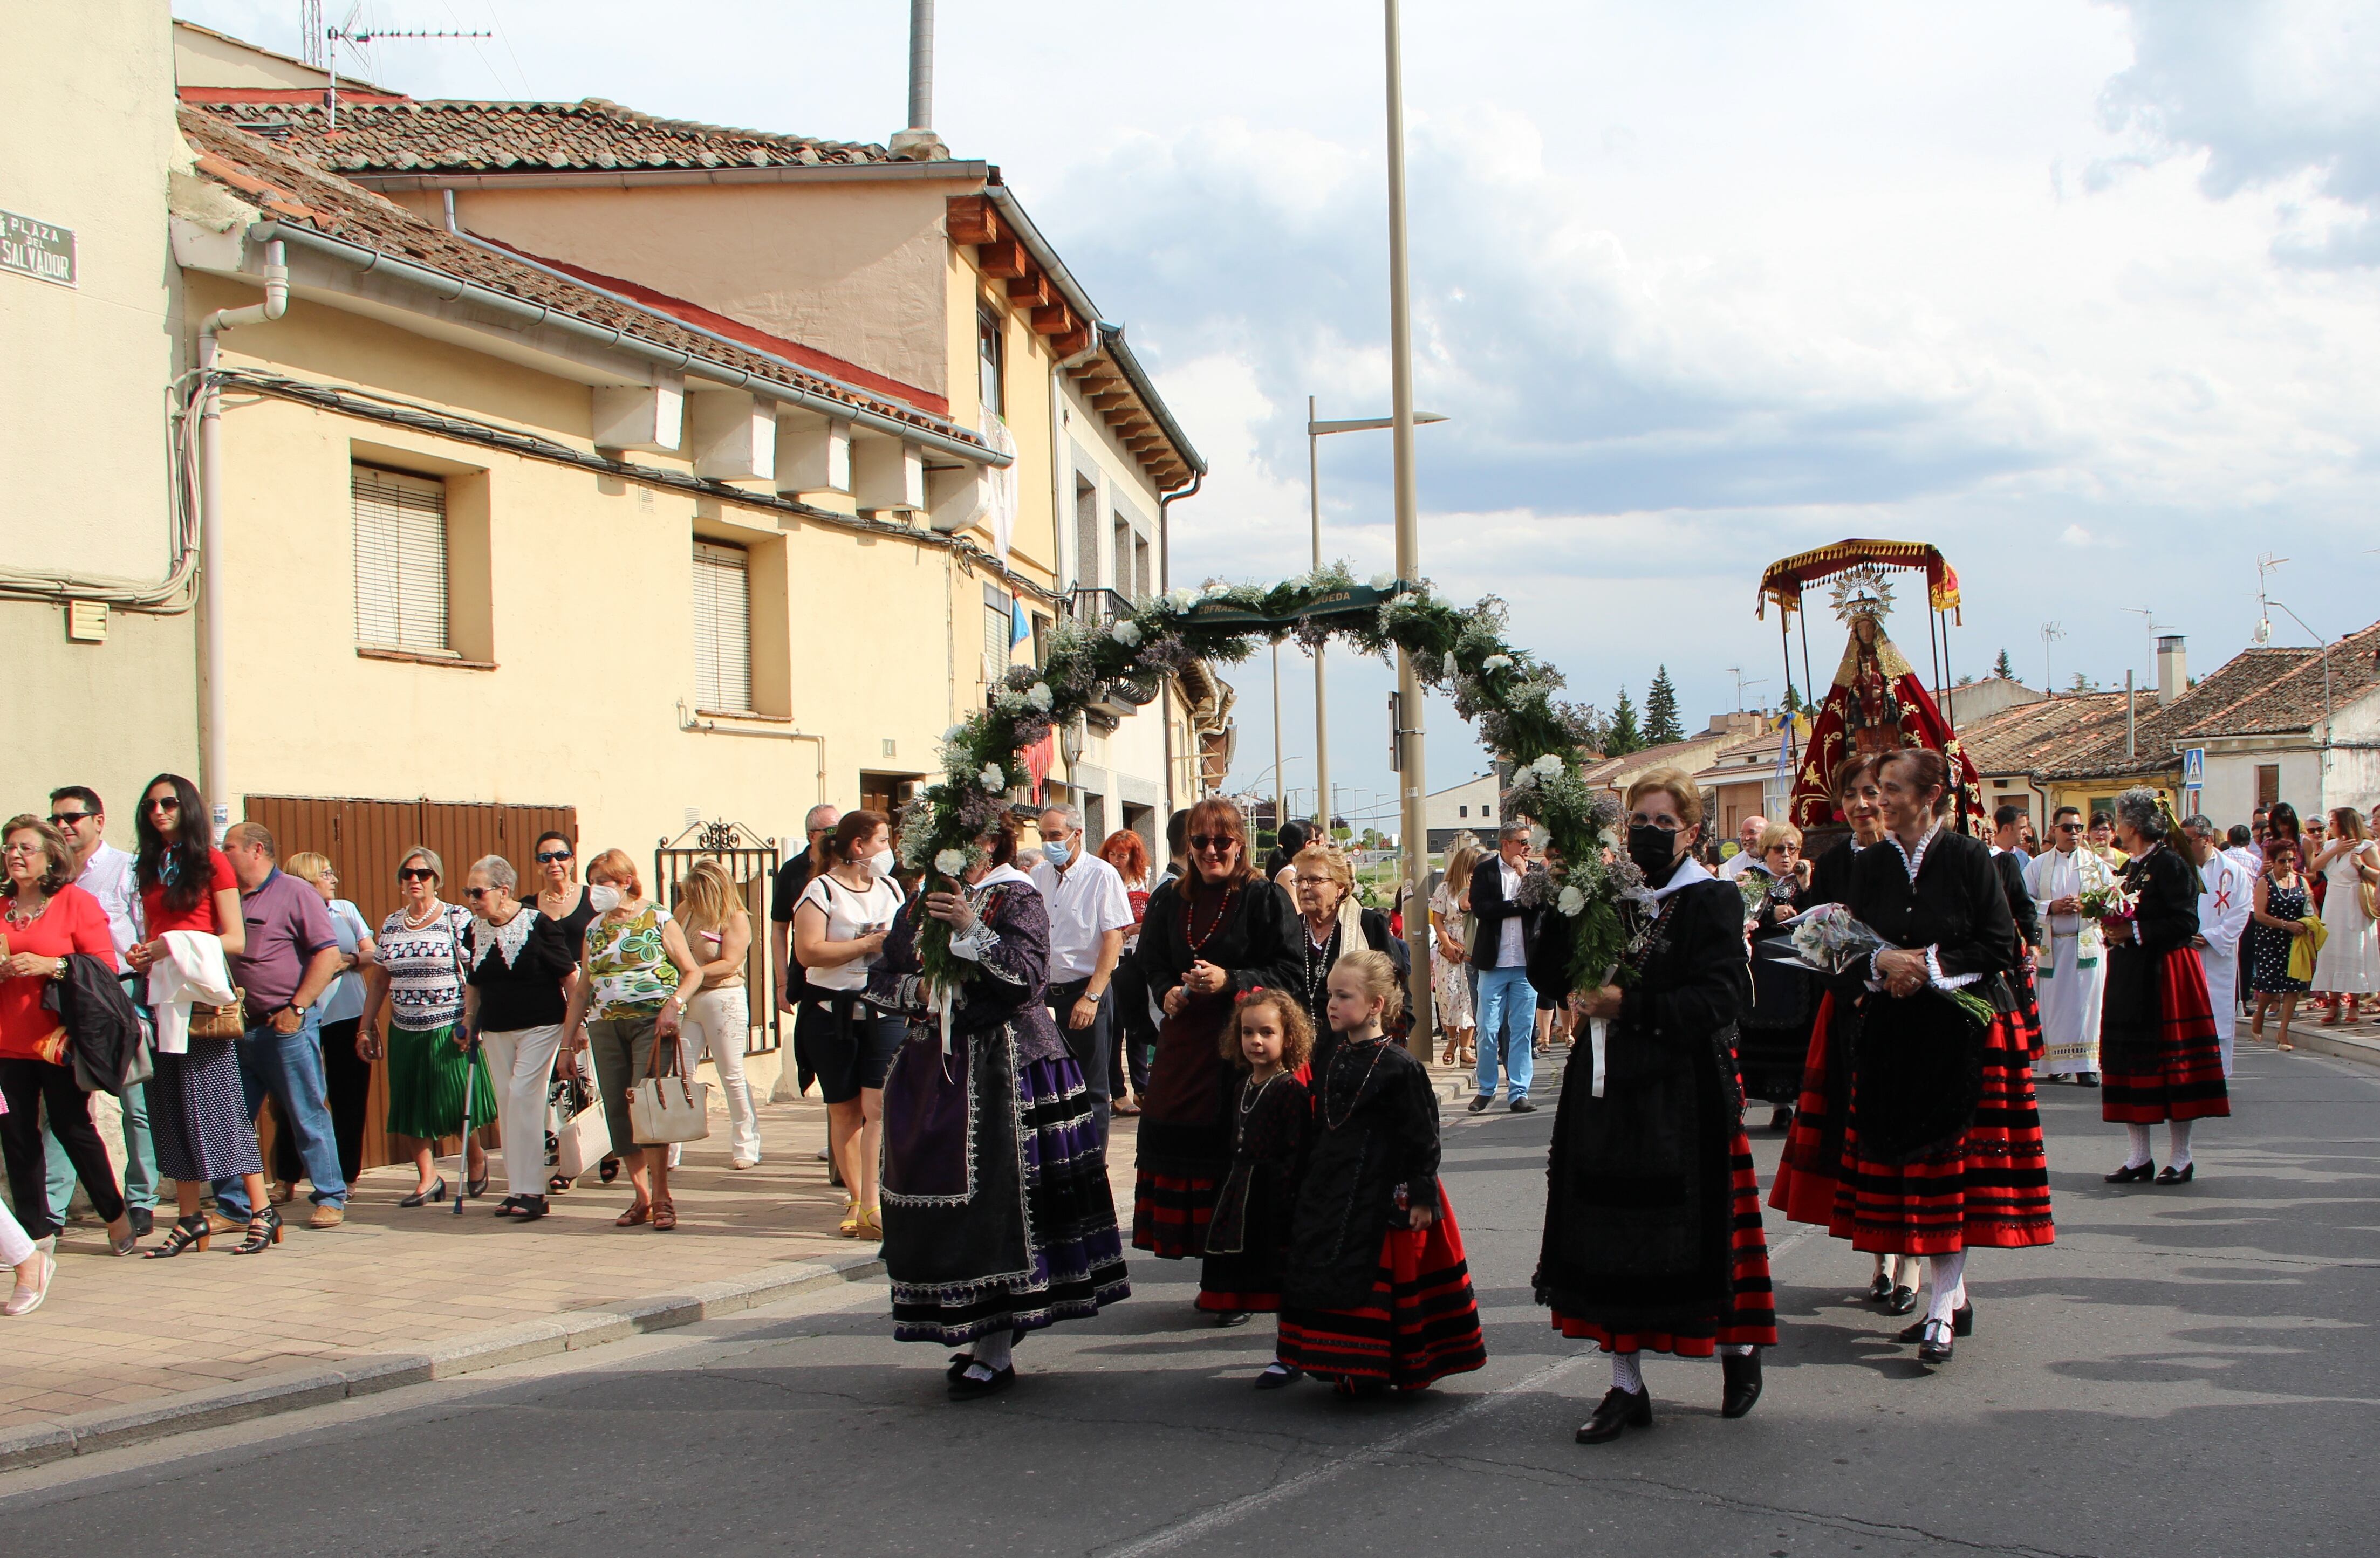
2082 292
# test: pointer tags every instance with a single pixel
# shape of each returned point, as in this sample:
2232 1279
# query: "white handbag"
584 1141
668 1105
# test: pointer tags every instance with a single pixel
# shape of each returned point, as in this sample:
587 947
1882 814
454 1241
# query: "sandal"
530 1210
871 1222
188 1233
507 1206
664 1216
636 1216
263 1233
558 1184
609 1170
849 1226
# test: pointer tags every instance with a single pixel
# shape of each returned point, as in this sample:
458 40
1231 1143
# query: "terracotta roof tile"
296 191
591 134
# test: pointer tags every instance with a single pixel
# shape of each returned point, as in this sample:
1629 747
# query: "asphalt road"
2186 1372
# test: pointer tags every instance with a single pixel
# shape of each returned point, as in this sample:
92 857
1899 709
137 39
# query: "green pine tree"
2004 666
1625 737
1661 710
1793 704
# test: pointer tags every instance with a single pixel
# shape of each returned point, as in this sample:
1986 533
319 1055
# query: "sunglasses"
547 857
417 874
475 894
2067 827
1215 841
165 803
67 819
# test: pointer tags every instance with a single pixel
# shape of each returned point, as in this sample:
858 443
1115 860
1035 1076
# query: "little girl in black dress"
1270 1115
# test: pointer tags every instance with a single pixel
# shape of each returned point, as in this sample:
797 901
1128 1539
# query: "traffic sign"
2193 766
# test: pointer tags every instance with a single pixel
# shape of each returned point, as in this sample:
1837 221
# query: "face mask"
1654 849
880 863
602 897
1057 854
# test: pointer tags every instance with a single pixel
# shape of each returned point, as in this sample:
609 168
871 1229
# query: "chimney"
2172 668
919 143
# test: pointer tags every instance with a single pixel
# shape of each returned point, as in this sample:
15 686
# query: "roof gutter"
1112 337
630 178
455 289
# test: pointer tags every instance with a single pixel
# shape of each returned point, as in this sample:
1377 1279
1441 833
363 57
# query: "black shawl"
1181 1115
2133 1037
1919 1056
1638 1219
1375 1129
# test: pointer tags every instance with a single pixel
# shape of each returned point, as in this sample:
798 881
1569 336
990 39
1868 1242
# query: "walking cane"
470 1079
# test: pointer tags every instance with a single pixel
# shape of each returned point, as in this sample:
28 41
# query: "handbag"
226 1021
584 1141
668 1106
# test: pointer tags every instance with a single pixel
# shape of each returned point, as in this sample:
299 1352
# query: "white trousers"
14 1246
520 1062
721 1021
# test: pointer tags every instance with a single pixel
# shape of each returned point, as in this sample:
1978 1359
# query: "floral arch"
1509 693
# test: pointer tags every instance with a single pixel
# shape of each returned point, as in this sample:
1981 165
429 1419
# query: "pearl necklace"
437 911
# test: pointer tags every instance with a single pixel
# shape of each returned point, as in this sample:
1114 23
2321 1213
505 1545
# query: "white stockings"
1949 1284
1625 1374
2140 1135
2176 1135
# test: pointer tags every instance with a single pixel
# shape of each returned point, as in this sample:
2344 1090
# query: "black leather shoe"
144 1222
1743 1387
1933 1346
964 1389
1279 1376
1880 1288
1780 1118
1903 1299
1479 1104
2141 1175
1521 1106
1617 1410
430 1197
2167 1176
2086 1079
1232 1317
1963 1324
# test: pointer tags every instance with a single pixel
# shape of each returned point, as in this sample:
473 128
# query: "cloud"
2270 93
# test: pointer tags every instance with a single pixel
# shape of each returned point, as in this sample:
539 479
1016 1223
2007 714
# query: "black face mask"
1655 851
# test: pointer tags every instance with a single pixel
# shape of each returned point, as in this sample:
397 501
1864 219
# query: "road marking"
1169 1537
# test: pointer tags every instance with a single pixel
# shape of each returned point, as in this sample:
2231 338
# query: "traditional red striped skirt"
1988 1190
1421 1325
1805 1187
1169 1213
2187 1083
1752 1319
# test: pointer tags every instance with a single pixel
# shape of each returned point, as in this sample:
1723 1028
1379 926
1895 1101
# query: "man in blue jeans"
1507 1006
292 957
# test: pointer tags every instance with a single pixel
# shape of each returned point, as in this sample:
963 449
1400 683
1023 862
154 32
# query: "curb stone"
37 1444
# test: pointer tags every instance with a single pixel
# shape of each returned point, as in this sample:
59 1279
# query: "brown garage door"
365 840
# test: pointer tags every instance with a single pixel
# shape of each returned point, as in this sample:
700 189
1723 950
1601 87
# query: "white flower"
1216 590
1039 696
950 863
1182 598
1550 765
991 778
1384 581
1496 662
1571 901
1126 631
1010 701
953 733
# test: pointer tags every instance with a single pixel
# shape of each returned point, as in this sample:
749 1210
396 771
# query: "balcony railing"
1097 607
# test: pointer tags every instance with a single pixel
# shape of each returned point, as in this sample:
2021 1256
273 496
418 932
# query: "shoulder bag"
668 1105
585 1139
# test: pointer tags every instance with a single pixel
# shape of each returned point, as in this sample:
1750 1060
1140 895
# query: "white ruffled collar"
510 937
999 875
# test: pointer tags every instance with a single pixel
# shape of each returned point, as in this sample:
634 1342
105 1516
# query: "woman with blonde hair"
414 1015
718 932
2348 967
636 976
1335 925
1450 975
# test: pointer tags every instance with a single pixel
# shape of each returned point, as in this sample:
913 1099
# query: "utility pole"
1414 826
1321 690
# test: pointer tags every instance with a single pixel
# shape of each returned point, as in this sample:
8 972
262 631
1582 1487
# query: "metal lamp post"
1315 433
1413 829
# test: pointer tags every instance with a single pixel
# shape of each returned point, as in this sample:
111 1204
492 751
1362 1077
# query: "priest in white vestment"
2070 977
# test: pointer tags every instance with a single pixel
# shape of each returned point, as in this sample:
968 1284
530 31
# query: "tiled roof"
1689 754
293 189
2281 690
2050 735
588 135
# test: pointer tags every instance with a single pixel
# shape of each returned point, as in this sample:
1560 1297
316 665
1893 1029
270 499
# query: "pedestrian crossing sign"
2193 766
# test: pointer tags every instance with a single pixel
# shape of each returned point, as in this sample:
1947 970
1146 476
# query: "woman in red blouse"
47 919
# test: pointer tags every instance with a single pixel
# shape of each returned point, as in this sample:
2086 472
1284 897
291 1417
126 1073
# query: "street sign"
40 249
1396 733
2193 766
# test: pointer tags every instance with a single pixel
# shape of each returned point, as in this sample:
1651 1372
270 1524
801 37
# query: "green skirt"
426 1082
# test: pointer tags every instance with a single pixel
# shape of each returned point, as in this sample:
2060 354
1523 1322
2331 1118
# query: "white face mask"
880 863
602 897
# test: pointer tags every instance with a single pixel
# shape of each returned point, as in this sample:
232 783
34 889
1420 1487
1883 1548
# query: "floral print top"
627 963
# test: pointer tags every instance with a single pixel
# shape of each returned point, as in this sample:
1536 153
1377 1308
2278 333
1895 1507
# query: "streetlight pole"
1321 694
1413 828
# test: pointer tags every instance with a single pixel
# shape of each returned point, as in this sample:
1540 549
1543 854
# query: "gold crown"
1862 592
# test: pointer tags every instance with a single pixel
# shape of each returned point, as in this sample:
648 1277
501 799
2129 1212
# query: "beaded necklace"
1190 931
1317 976
1379 1046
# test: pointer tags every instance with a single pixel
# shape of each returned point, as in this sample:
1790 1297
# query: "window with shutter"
723 627
400 560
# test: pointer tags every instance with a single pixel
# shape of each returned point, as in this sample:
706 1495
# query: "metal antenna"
2149 621
310 30
2265 566
359 36
1740 684
2050 633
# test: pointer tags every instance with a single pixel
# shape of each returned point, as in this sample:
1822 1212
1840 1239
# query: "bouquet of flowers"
1831 939
2107 900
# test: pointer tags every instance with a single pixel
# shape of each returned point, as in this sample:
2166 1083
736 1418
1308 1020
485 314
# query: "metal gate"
751 861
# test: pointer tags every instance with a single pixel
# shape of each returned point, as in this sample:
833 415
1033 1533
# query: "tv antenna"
2148 622
2265 566
1740 684
359 36
2050 633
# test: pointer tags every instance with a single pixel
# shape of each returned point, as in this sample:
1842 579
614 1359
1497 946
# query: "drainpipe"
1173 685
214 725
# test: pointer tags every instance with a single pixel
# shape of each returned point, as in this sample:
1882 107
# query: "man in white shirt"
2070 976
1089 912
1746 857
106 873
2228 892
